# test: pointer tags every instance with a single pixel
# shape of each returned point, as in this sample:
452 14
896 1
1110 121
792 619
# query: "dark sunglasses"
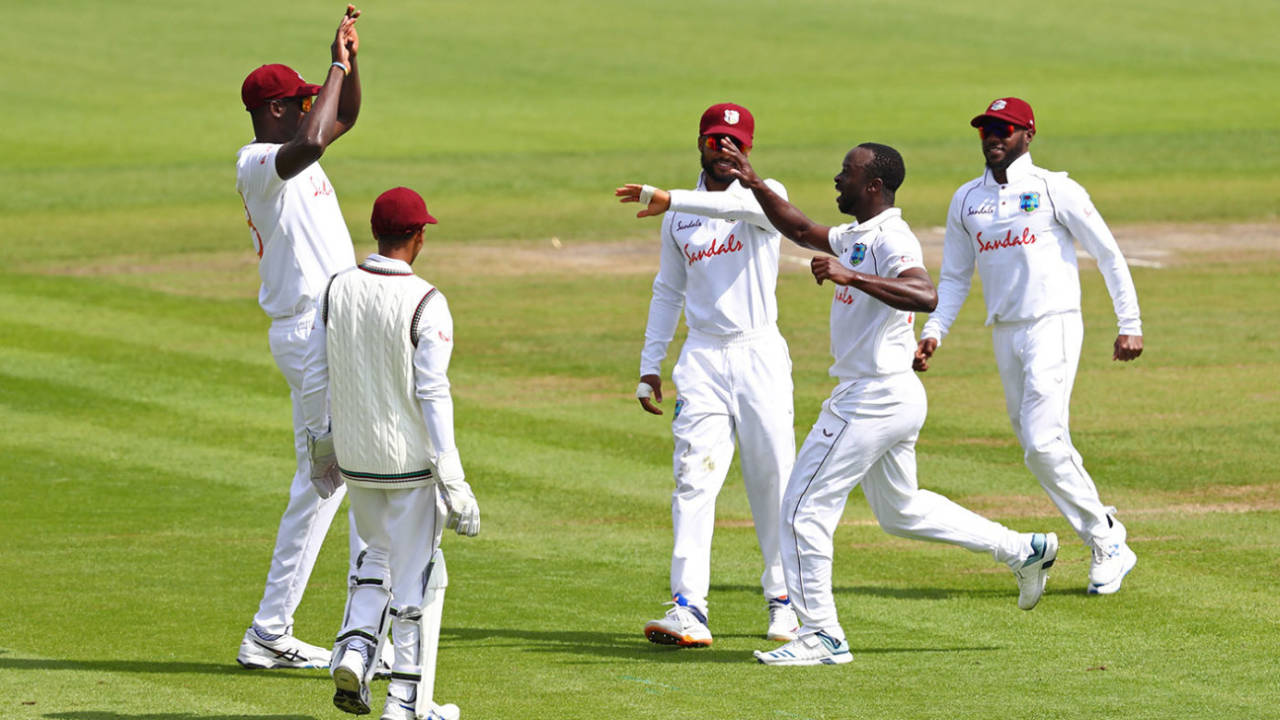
712 142
997 129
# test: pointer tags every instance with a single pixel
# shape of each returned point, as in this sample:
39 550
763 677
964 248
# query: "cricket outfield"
145 427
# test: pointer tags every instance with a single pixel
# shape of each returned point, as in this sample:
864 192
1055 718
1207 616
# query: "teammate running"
1015 224
867 430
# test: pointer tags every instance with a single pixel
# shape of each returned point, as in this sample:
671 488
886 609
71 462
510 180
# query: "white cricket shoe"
263 651
783 623
351 691
1112 560
400 709
683 625
815 648
1033 573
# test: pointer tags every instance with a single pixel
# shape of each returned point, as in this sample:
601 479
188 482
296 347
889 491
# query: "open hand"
658 203
741 169
346 41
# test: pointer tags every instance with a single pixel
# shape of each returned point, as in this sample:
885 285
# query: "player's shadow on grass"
104 715
630 646
895 593
148 666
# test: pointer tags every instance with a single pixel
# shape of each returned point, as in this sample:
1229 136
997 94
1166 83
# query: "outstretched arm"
784 216
321 126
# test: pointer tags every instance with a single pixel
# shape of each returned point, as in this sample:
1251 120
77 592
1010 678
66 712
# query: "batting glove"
464 512
325 477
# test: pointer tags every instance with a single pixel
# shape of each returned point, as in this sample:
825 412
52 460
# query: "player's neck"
872 211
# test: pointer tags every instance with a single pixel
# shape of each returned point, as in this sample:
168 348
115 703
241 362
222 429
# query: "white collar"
1017 170
878 220
383 262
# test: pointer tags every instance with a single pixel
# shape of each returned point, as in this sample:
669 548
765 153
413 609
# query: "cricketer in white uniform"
1015 223
719 263
867 430
380 356
297 229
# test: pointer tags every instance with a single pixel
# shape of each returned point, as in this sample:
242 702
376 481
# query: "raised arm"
784 216
323 124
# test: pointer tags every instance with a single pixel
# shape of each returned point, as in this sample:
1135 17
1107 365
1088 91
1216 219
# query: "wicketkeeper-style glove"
464 513
324 463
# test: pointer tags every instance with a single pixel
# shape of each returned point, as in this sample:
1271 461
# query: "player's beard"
709 167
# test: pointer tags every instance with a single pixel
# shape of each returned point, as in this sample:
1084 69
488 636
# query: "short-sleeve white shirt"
295 226
869 338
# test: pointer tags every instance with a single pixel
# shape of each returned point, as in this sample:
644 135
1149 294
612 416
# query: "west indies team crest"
858 255
1029 202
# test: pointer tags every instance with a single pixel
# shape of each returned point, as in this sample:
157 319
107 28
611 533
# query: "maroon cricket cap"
399 210
1011 109
728 119
274 82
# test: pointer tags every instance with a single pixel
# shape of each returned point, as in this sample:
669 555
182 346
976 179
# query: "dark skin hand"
307 135
655 382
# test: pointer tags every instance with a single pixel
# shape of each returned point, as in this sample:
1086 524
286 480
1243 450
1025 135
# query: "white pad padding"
432 612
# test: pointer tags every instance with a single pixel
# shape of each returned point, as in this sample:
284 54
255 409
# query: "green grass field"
144 429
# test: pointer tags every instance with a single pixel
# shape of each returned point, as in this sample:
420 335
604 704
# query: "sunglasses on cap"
713 142
997 129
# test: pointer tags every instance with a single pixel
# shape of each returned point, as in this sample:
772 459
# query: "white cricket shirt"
869 338
719 263
295 226
1019 237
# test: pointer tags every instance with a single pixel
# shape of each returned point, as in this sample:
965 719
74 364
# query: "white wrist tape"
646 194
644 390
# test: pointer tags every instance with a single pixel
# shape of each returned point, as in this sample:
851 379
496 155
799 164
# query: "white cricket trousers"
866 433
736 387
403 529
1037 361
307 517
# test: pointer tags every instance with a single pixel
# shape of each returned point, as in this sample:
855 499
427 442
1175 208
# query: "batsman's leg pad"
428 637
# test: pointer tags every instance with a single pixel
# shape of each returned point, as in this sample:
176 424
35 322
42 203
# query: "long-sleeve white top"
718 262
1019 236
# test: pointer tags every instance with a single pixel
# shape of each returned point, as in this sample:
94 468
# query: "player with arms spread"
719 263
380 356
867 430
297 229
1015 224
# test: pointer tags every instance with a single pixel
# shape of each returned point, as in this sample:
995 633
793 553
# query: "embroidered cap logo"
997 105
731 117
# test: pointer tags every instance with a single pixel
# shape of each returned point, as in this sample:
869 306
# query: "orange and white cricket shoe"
683 625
